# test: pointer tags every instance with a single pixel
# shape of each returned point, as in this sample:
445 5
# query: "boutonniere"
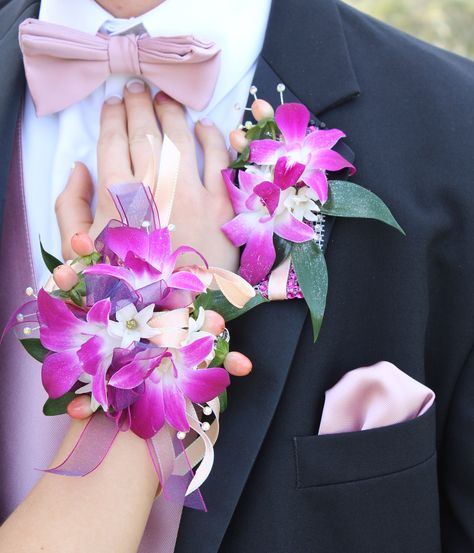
282 185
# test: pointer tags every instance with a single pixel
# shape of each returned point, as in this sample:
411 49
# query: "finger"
141 121
73 211
237 364
113 156
80 407
172 118
216 155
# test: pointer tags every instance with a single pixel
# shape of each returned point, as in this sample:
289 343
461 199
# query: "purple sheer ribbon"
91 448
135 205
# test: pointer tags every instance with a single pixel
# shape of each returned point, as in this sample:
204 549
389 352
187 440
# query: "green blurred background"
445 23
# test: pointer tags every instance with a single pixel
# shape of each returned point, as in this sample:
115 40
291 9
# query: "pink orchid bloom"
149 266
302 156
78 345
260 213
171 377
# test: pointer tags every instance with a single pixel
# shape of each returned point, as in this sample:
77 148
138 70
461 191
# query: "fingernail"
162 98
135 86
113 100
206 122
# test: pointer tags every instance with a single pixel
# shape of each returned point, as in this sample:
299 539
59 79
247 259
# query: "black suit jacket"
407 109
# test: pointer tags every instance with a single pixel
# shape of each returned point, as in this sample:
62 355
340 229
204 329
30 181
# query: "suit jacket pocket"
353 456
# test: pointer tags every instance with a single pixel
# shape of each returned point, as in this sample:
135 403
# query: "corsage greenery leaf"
347 199
35 348
50 261
311 270
58 406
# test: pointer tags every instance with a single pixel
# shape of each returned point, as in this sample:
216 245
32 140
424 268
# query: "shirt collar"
236 26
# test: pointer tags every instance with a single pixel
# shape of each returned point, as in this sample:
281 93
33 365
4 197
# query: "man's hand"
123 155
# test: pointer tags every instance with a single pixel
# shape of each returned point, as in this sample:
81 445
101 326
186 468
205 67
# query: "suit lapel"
13 80
309 55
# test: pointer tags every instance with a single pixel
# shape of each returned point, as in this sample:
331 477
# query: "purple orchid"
302 156
171 377
148 266
261 212
78 346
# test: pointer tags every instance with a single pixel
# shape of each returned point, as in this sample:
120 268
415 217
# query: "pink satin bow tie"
63 65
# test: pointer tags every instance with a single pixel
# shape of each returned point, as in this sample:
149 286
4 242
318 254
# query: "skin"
125 9
108 509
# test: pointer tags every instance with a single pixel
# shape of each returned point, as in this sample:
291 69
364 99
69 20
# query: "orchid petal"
99 313
148 415
195 353
236 195
174 403
238 230
96 361
143 272
203 384
329 160
122 240
185 281
264 152
59 329
248 181
323 139
132 375
160 247
259 254
60 372
169 264
292 120
318 182
286 173
269 193
110 270
288 227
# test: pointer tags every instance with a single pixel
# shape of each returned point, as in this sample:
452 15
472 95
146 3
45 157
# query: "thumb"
73 207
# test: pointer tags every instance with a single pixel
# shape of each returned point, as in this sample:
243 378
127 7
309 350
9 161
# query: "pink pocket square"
371 397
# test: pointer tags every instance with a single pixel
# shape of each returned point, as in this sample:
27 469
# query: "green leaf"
59 405
282 248
223 400
347 199
35 348
50 261
216 301
242 160
310 267
221 351
76 297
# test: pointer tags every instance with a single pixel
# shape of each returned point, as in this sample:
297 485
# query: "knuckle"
110 138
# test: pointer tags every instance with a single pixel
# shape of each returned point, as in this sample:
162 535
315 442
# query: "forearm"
102 512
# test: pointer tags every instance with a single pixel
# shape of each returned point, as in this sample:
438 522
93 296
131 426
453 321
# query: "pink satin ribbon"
78 63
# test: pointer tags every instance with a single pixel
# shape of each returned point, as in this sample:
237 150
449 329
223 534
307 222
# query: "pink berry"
82 244
80 407
65 277
238 141
262 110
237 364
213 323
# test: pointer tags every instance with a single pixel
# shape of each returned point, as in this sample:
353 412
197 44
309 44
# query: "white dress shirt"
53 143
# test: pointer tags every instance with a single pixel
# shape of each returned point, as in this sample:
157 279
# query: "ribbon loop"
123 55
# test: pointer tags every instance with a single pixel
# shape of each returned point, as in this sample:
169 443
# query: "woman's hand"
123 155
